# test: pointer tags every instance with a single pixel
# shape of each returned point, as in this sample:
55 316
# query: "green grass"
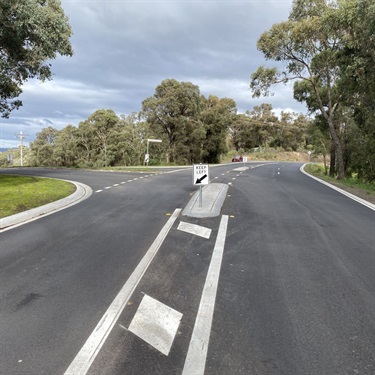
21 193
350 182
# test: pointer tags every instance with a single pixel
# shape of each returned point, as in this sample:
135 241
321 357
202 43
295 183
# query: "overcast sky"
124 49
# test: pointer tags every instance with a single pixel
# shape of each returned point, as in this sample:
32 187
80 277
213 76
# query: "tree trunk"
339 151
332 162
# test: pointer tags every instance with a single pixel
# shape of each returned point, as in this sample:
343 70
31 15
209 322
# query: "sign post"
200 177
147 156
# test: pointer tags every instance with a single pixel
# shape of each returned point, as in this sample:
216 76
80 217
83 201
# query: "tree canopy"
32 33
325 47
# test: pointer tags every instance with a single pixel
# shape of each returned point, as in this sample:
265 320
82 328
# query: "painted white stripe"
92 346
194 229
108 187
98 191
116 185
156 323
370 205
195 361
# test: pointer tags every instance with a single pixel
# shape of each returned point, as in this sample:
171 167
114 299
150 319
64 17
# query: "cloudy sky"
123 49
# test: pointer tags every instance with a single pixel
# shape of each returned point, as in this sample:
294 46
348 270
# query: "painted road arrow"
199 180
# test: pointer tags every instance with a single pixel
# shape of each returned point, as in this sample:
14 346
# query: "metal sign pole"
200 196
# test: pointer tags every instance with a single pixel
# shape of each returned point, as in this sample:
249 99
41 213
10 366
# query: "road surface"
281 282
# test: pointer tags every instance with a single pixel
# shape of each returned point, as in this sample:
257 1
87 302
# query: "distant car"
237 158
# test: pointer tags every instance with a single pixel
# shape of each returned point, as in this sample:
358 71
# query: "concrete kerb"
213 197
82 192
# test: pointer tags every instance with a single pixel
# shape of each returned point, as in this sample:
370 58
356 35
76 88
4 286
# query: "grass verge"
350 184
21 193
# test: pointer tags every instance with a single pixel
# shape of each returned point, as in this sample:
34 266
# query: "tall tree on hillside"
102 127
171 114
217 115
41 150
130 140
65 152
357 66
309 47
32 32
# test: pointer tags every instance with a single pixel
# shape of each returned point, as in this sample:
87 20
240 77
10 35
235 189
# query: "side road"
214 198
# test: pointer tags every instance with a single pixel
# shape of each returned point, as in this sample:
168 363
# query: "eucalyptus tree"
217 116
32 33
130 140
66 150
172 115
307 47
42 148
357 65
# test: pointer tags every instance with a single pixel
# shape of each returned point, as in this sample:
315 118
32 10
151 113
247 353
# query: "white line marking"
92 346
156 323
98 191
370 205
123 182
194 229
195 361
116 185
108 187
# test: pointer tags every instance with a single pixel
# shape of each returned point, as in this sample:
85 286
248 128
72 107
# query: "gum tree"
32 33
307 48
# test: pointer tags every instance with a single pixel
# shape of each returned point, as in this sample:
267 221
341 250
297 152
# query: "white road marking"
92 346
108 187
98 191
156 323
116 185
195 361
123 182
194 229
351 196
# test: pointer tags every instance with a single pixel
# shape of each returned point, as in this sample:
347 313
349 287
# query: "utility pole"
21 137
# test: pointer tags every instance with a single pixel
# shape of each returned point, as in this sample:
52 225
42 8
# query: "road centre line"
195 361
94 343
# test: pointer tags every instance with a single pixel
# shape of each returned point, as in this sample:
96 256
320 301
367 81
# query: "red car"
237 158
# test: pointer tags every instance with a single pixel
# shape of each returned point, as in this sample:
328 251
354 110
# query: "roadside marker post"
200 177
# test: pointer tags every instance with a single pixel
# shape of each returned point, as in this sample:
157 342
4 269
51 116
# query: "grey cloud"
124 49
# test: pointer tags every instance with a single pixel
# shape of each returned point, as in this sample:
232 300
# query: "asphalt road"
296 288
